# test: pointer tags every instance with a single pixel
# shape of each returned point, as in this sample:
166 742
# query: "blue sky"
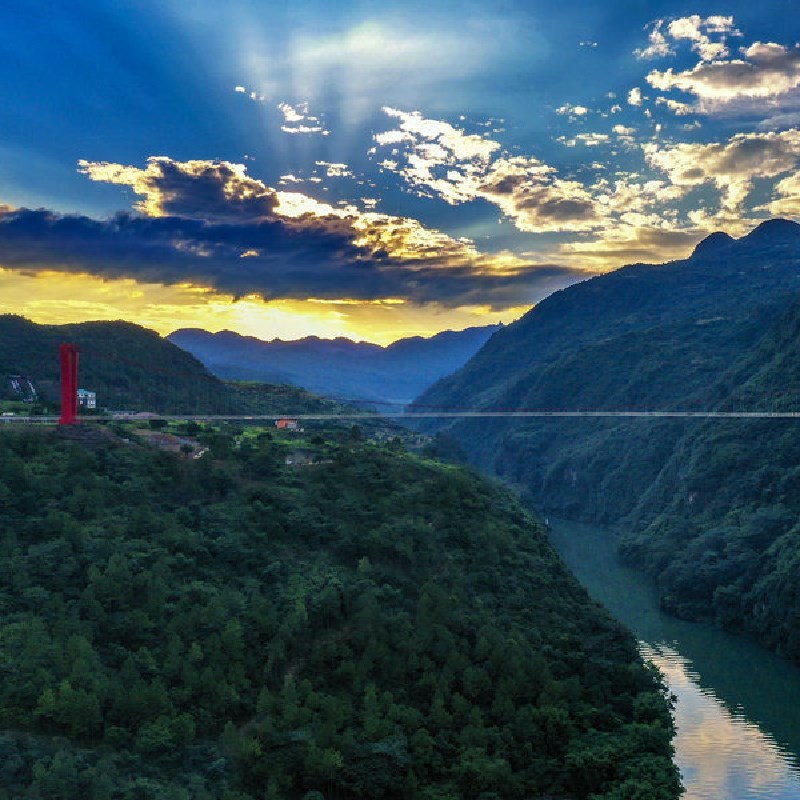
376 169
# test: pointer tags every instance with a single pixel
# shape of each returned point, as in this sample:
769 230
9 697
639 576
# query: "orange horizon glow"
56 298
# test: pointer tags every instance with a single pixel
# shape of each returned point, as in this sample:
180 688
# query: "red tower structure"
69 383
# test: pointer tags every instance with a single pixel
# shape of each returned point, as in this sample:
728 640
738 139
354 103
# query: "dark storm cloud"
206 189
284 258
218 191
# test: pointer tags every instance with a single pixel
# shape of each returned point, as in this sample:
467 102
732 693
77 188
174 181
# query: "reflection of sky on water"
738 710
721 756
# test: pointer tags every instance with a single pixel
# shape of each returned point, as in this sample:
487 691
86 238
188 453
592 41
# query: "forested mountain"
720 526
372 626
722 275
338 367
133 368
709 508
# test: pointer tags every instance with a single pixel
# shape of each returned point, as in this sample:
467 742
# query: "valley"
706 507
399 400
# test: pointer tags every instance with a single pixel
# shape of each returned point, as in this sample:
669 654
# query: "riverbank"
738 707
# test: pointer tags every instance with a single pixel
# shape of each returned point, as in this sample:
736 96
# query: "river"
738 706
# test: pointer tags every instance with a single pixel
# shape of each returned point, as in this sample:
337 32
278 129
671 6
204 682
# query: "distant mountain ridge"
340 367
133 368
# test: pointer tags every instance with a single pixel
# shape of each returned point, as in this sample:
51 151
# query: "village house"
288 424
87 399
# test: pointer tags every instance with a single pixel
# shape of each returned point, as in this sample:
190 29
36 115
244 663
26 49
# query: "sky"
377 169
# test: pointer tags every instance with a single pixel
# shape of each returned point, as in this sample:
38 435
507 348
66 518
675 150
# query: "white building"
87 399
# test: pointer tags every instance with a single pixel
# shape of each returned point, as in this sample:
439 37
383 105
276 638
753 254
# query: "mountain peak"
775 230
716 241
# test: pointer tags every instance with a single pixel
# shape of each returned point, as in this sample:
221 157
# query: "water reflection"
738 709
721 755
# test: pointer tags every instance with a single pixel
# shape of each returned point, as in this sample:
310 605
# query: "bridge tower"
68 354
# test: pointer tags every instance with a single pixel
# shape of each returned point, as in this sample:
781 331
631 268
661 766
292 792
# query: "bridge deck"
399 415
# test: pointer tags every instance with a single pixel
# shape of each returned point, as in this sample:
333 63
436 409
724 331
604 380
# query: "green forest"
719 527
709 508
373 625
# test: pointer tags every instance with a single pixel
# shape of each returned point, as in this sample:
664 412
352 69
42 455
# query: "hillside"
133 368
719 526
721 276
702 505
373 626
337 367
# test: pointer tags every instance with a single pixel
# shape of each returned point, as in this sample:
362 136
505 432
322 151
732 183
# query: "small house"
87 399
287 424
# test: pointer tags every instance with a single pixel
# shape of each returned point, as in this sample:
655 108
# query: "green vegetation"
719 527
710 508
129 367
374 626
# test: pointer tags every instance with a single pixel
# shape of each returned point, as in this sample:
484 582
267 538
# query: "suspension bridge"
69 357
400 415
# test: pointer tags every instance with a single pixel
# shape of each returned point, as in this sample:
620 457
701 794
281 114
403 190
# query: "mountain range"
708 507
133 368
338 367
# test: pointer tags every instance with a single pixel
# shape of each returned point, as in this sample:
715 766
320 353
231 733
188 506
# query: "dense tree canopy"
371 625
709 508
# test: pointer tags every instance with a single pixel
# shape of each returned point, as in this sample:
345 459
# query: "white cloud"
699 31
635 96
298 119
529 192
659 47
629 194
335 170
708 36
440 160
731 166
573 111
767 70
253 95
649 239
676 106
624 134
765 74
787 197
587 139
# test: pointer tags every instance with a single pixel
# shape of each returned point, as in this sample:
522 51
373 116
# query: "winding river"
738 707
